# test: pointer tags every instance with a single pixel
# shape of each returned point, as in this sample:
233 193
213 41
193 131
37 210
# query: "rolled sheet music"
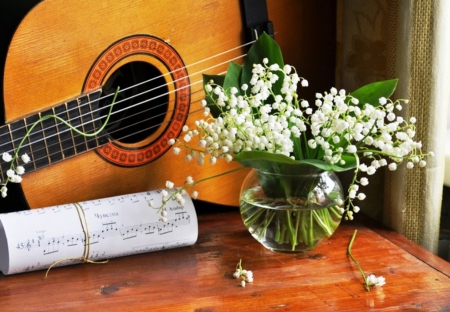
118 226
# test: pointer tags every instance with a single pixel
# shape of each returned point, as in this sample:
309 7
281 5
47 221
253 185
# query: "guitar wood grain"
55 47
53 50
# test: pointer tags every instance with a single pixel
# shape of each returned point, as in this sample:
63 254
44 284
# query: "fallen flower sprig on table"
371 280
246 275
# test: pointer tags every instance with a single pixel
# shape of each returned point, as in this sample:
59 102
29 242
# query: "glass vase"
292 212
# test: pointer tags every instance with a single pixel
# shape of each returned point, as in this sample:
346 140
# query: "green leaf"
232 77
372 92
278 163
298 148
264 47
350 163
218 79
237 75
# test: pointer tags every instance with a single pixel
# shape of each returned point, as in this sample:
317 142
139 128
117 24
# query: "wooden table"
199 277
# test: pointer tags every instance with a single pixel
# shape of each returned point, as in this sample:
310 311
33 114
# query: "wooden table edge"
407 245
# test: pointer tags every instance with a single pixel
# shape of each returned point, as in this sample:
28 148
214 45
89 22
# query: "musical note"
117 226
73 240
52 246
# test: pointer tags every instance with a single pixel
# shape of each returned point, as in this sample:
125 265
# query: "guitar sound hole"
145 105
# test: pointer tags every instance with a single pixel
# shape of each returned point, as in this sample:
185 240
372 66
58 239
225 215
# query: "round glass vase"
291 212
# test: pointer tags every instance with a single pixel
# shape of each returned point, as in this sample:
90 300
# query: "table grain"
199 277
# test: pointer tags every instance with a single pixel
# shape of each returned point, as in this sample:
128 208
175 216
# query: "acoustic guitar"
65 57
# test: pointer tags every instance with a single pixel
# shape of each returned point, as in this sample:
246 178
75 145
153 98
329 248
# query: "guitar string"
92 121
115 112
152 79
86 141
48 156
74 147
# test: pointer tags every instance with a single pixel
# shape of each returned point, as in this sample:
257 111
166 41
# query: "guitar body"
54 53
55 50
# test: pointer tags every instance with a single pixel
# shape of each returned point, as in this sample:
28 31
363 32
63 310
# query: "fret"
75 121
51 141
57 133
18 131
66 142
37 145
93 100
30 147
54 152
87 120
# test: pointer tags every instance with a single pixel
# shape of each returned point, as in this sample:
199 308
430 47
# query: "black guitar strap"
255 18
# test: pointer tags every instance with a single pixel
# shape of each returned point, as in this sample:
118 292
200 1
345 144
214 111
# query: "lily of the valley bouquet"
255 116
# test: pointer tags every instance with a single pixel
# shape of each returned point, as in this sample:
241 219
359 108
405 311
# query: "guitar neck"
50 140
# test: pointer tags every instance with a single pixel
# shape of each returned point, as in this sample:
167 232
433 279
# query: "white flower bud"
392 166
287 69
20 170
25 158
187 138
169 184
351 149
6 157
189 180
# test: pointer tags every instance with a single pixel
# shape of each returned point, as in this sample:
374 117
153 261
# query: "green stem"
305 140
303 227
68 125
292 233
349 252
321 222
196 183
16 153
250 220
269 216
311 229
335 211
297 224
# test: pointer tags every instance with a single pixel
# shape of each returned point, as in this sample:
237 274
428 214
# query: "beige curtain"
409 40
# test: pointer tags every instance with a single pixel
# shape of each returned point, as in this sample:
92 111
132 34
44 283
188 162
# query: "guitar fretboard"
50 140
